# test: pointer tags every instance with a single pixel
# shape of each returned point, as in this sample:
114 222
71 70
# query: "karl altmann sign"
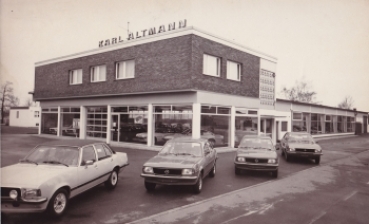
143 33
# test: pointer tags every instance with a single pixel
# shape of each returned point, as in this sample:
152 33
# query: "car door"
104 161
87 173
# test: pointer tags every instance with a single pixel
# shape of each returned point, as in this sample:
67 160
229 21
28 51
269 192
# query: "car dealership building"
177 80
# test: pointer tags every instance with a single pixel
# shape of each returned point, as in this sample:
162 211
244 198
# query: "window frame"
218 65
239 70
125 65
92 72
72 74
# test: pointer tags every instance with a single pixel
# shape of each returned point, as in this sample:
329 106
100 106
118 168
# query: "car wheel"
213 171
237 171
275 174
150 186
198 186
58 203
317 160
112 182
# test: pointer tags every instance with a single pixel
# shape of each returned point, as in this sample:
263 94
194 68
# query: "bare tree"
7 98
347 103
29 102
300 92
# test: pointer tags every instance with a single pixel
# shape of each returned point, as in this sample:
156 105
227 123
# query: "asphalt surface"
130 202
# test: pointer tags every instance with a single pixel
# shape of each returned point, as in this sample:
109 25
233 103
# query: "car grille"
305 150
6 190
165 171
255 160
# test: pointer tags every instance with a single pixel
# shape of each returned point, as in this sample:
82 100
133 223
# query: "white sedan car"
51 175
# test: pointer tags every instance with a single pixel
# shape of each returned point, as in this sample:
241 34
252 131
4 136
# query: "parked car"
54 130
51 175
256 153
181 161
128 133
160 134
213 138
299 144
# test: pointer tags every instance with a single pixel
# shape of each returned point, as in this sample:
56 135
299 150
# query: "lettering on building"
145 32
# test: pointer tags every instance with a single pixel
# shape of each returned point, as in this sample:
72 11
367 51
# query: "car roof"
299 133
257 136
188 139
75 145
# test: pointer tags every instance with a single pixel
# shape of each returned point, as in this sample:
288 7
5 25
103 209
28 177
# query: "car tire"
237 171
150 186
112 182
275 174
198 186
317 160
58 203
213 170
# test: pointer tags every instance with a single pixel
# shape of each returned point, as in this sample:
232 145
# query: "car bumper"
170 180
304 154
8 206
259 166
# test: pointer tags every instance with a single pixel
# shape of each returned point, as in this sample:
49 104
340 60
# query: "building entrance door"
115 127
266 126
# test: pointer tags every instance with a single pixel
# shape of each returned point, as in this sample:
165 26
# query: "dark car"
181 161
300 144
128 133
256 153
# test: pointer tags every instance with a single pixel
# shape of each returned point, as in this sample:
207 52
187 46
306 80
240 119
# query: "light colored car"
213 138
300 144
159 137
256 153
51 175
181 161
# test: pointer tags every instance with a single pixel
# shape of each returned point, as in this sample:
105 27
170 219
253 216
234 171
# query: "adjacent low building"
181 82
24 116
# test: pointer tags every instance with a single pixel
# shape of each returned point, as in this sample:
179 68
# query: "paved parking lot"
130 201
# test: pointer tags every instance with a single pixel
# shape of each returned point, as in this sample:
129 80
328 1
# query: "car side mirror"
88 162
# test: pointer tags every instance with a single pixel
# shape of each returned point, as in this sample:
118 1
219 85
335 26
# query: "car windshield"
303 139
181 148
256 143
58 155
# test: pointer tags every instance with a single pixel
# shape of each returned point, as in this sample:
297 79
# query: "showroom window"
328 124
211 65
300 121
125 69
96 122
233 71
49 121
70 120
284 126
216 124
98 73
75 77
170 121
246 124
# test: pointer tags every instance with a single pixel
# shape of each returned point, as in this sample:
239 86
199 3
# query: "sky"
322 42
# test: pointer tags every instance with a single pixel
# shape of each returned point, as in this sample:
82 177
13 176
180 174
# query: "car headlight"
291 149
148 169
272 161
318 150
31 195
188 172
13 194
240 159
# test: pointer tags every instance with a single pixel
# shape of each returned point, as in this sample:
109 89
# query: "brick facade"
163 65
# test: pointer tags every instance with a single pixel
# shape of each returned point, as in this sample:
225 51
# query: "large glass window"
70 121
300 121
316 125
129 123
125 69
171 120
244 125
96 122
211 65
98 73
233 71
350 124
75 76
328 124
340 124
215 124
49 121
